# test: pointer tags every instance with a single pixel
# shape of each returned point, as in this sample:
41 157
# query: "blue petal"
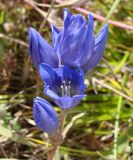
88 46
67 16
45 116
70 45
47 73
76 22
75 76
70 39
40 50
55 33
63 102
50 93
100 43
73 22
49 76
68 102
54 80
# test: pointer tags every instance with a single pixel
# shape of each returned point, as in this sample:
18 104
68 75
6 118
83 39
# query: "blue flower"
40 50
74 46
45 116
75 51
64 85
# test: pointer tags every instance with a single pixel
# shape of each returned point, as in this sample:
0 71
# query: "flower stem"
58 138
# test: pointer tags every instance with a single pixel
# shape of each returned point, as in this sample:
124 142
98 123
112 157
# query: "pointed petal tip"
102 35
45 116
105 31
41 65
104 28
54 29
91 22
31 33
52 26
106 25
90 16
46 73
66 13
44 65
31 30
37 99
100 43
66 9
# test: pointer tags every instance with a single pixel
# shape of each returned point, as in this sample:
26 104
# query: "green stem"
117 122
116 130
114 6
62 122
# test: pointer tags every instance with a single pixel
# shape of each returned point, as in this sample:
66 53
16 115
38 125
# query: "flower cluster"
75 51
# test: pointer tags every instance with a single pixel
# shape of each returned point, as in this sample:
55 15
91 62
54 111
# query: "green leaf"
124 139
121 63
5 132
1 17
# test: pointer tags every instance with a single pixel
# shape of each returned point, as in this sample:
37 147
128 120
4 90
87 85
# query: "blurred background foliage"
109 101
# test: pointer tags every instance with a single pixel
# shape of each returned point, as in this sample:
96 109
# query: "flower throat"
66 88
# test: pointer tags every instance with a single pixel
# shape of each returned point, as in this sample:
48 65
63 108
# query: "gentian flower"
74 46
75 51
45 116
64 85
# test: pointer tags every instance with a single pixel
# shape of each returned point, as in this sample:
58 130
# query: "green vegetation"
105 131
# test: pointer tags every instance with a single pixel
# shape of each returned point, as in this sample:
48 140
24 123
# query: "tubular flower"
64 85
45 116
74 46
